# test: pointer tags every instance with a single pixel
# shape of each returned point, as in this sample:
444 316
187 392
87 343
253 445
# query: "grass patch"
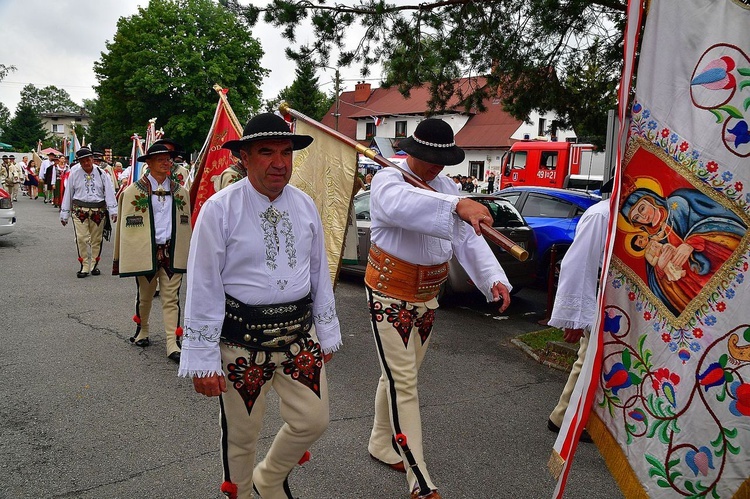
539 341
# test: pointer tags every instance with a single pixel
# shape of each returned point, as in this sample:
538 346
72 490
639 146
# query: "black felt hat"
268 126
83 152
156 149
433 142
175 145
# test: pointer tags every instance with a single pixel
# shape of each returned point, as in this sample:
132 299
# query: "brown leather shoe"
399 466
433 494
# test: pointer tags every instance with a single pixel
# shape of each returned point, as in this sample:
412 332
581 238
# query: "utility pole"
337 89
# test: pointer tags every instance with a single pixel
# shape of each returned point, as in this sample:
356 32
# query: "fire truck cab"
542 163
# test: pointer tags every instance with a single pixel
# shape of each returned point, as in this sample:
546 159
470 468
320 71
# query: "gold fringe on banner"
555 464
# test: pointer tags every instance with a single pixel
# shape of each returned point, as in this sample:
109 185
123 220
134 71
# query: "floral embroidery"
402 319
140 202
270 220
179 202
305 366
248 377
424 324
327 316
203 334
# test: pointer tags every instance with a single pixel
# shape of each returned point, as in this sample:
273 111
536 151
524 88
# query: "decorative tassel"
97 258
136 319
178 332
305 458
229 489
401 439
80 260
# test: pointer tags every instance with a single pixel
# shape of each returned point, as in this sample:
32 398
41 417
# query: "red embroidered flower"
647 315
744 267
697 333
721 306
631 296
684 146
665 132
712 166
663 374
665 337
738 186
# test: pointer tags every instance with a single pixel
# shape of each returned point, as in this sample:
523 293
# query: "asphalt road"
84 413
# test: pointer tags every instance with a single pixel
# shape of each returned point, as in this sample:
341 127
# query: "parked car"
553 214
7 213
506 220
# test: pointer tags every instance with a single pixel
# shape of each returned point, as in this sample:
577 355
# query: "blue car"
553 214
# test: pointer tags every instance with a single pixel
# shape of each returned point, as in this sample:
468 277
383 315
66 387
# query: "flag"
379 120
668 383
326 171
39 147
152 135
136 167
212 159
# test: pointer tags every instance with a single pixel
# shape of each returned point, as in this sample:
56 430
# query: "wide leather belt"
89 204
267 327
400 279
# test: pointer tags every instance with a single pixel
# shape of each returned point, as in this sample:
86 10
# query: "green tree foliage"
25 129
303 94
5 70
163 63
4 118
544 55
49 99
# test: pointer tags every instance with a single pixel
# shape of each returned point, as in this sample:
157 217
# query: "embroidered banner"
326 171
671 414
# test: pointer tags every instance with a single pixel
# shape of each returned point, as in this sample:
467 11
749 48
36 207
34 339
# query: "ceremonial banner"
212 159
671 414
326 171
136 167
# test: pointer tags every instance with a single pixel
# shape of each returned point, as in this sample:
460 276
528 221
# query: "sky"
56 42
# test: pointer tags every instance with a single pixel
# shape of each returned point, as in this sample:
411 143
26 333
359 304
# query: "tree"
49 99
303 94
4 118
163 63
25 129
543 55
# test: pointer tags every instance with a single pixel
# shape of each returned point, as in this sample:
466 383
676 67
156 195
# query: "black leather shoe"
174 357
143 343
96 272
585 437
81 275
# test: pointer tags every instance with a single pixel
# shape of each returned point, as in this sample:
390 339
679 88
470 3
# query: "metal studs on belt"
248 337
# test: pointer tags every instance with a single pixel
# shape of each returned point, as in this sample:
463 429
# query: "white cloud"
57 42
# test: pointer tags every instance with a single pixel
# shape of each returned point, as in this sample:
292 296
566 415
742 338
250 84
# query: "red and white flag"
212 159
665 387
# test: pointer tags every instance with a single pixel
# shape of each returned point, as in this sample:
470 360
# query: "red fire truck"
549 164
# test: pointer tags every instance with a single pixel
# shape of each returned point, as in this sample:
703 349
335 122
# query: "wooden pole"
490 233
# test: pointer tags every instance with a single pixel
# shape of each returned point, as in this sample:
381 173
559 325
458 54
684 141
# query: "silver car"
506 219
7 214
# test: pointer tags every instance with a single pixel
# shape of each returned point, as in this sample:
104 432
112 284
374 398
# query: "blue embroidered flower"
616 284
646 114
729 293
747 197
656 327
726 176
740 278
695 154
639 306
651 125
637 108
695 346
673 138
710 320
741 133
672 346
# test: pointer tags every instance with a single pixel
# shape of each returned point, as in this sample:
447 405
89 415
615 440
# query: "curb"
528 351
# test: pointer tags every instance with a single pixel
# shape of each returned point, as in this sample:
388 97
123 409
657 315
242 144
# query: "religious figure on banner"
681 236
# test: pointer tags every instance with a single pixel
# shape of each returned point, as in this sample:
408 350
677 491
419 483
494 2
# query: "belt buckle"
281 330
280 341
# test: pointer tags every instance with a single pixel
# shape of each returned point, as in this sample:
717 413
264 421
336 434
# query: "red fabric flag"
212 160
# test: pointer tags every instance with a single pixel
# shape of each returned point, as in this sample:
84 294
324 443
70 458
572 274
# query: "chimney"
361 92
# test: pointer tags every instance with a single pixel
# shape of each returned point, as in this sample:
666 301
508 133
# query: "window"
369 130
362 206
476 169
400 129
503 213
518 160
542 127
58 128
545 207
548 160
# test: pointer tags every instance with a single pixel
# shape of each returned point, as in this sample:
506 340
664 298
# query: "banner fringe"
615 459
555 464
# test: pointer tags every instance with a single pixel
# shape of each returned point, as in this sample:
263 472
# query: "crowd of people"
260 311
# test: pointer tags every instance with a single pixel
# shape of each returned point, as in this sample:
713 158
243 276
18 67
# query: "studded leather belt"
400 279
267 327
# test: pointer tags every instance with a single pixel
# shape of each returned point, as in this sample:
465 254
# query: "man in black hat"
178 173
90 197
415 233
152 243
47 173
232 173
260 311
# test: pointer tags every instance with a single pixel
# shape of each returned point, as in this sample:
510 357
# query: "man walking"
152 242
90 198
260 311
415 232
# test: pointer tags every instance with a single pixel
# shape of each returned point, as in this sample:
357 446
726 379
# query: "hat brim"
172 154
438 156
298 142
89 155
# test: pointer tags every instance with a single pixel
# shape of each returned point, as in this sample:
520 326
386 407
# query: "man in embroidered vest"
151 244
414 234
15 178
233 173
47 172
260 311
178 172
90 197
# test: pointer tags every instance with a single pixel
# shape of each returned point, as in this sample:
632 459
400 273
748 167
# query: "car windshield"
504 214
362 206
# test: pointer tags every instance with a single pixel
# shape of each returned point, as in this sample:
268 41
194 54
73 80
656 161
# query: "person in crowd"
575 305
90 198
15 177
62 171
22 165
490 182
415 233
47 172
151 244
368 181
260 311
32 180
233 173
178 173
